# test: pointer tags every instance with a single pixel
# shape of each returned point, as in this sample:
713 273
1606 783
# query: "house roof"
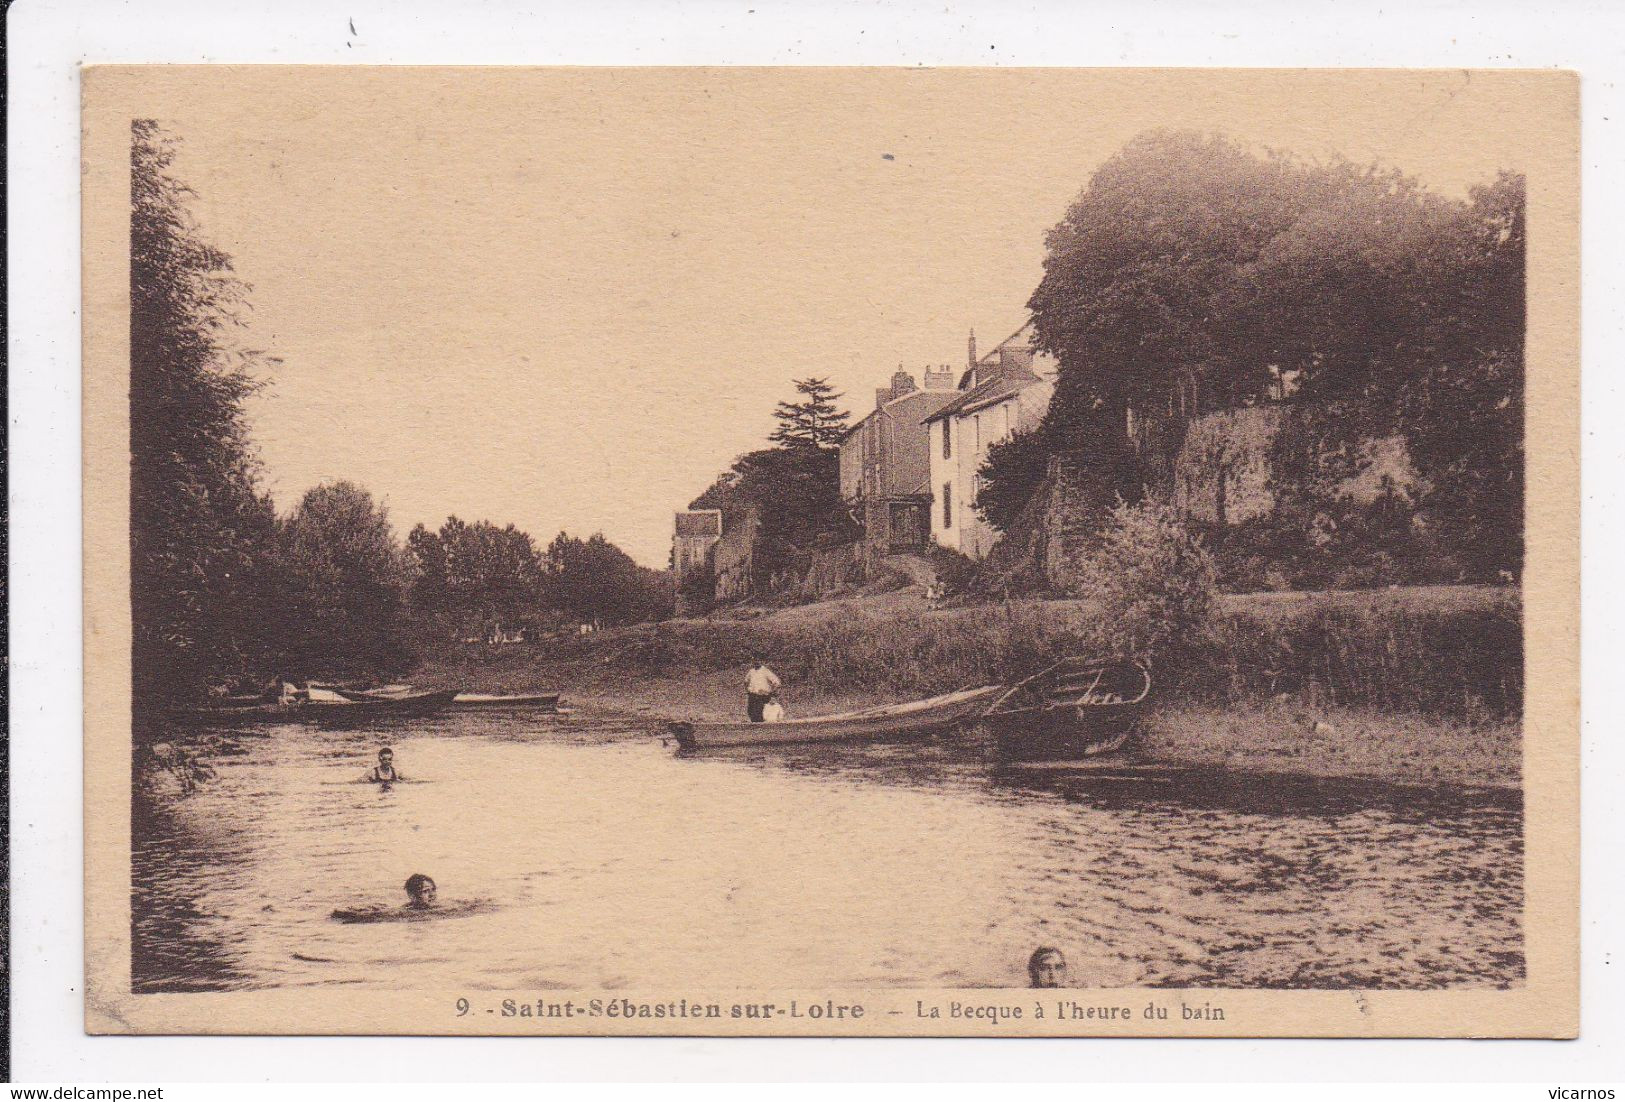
699 523
995 389
921 398
1021 339
897 406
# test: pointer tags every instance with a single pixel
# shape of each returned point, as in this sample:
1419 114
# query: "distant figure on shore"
420 892
384 772
1046 967
282 691
760 685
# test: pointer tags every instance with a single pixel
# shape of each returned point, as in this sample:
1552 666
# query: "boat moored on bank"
1076 708
541 702
347 709
891 721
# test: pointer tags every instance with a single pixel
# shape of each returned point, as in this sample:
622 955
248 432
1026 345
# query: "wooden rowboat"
890 721
350 711
411 704
545 702
366 696
1077 708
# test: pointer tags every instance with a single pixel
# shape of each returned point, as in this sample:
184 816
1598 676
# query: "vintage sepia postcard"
831 552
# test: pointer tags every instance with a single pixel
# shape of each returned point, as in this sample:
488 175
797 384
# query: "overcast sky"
567 299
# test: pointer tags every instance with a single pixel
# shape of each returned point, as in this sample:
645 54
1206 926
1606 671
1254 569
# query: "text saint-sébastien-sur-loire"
680 1008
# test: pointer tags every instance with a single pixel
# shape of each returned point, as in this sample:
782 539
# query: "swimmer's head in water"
1046 967
421 890
386 755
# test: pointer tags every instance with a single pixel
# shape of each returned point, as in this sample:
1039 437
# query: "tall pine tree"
814 421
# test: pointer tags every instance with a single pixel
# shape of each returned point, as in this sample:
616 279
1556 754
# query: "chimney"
882 396
972 348
902 383
939 378
1015 359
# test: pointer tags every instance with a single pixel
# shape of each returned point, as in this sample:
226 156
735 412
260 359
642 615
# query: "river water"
604 860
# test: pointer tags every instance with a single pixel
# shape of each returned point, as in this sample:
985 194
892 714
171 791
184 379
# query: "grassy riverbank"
1413 686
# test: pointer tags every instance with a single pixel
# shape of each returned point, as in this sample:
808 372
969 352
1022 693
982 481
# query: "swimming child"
420 892
384 772
1046 967
421 903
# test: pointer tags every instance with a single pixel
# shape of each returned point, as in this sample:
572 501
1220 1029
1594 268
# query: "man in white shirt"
760 685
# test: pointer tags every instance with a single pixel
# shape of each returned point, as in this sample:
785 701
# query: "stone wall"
734 557
1041 550
1222 471
830 569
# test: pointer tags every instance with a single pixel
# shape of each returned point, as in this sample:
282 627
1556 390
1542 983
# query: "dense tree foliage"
795 490
1016 466
1012 468
593 581
346 581
201 532
476 575
221 589
1463 415
1413 313
1145 267
1191 274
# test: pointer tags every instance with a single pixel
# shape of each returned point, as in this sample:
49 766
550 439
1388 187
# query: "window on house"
947 504
976 425
947 439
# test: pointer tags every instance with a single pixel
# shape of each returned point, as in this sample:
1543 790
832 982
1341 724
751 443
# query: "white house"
1006 391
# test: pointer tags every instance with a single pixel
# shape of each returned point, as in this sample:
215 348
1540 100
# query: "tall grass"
1465 663
935 654
905 653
